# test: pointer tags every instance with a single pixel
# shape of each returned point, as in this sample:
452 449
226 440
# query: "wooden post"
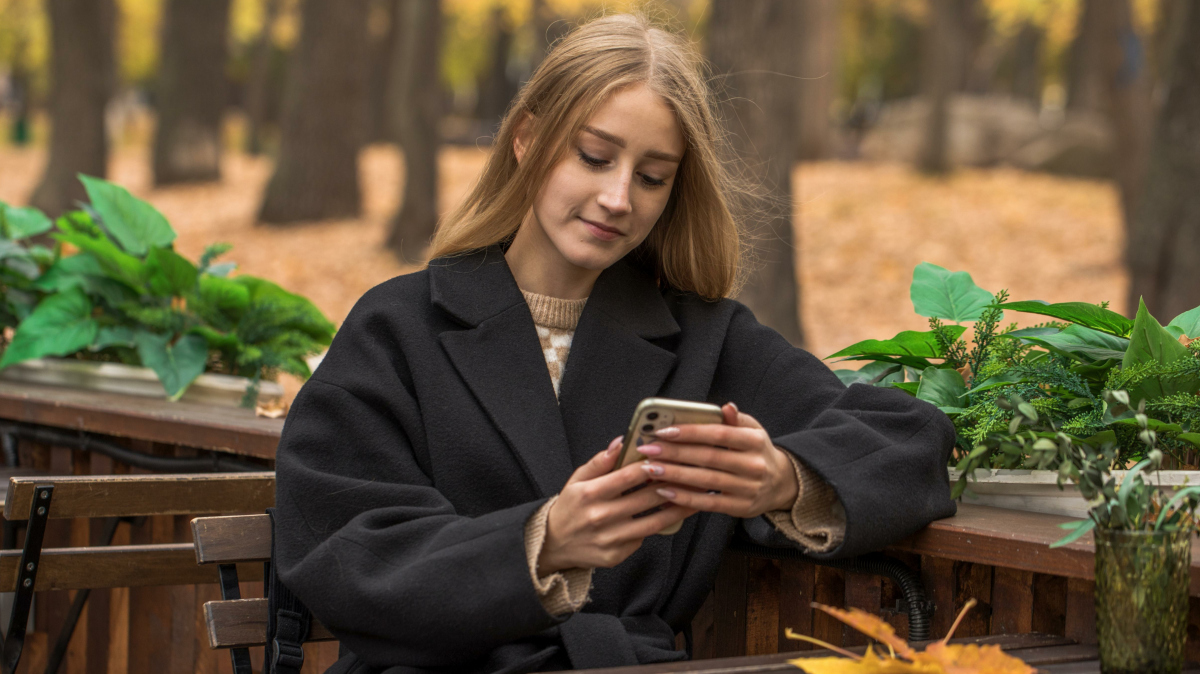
762 606
795 603
1012 601
729 607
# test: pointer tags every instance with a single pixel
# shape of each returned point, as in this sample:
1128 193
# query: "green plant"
127 296
1059 369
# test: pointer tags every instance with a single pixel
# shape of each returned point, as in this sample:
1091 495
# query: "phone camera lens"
652 416
648 428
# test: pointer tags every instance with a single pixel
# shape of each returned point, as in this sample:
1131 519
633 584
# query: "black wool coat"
412 459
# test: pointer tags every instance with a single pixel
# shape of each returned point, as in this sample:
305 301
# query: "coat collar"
610 368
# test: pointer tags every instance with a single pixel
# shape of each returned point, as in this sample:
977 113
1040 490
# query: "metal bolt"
42 510
45 494
29 566
28 582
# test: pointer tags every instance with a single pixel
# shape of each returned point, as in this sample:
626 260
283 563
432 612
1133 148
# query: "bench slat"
136 495
233 538
117 566
237 623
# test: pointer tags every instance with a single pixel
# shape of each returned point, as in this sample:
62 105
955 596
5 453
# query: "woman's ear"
521 138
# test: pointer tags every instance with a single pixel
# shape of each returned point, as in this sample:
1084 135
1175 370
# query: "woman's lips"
600 231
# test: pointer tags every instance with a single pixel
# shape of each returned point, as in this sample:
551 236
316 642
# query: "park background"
1011 139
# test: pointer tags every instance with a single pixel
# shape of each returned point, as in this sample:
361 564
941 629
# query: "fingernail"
733 405
666 493
650 450
668 432
612 446
653 469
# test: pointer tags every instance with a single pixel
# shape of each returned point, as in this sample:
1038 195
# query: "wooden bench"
233 622
38 499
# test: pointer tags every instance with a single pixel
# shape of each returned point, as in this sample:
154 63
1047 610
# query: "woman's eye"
652 182
593 162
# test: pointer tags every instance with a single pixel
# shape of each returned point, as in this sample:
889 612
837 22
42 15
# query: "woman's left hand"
736 459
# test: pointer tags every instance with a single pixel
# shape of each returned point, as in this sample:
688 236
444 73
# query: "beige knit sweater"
816 519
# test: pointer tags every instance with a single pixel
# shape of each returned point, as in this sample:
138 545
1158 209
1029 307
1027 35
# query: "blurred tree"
1127 82
941 73
1027 64
383 32
83 73
1085 76
259 79
316 175
191 91
415 102
818 68
1163 250
548 27
752 46
496 88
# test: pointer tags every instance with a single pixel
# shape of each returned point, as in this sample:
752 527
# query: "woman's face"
602 199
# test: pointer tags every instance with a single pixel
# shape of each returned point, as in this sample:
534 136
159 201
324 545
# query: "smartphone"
655 413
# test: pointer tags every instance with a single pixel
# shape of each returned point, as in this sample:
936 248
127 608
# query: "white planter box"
1037 490
208 389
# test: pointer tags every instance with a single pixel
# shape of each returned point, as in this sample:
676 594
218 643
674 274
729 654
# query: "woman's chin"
593 256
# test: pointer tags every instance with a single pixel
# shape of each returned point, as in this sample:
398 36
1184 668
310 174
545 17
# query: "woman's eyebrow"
620 142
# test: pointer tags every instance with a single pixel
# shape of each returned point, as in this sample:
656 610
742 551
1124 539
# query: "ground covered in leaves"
861 228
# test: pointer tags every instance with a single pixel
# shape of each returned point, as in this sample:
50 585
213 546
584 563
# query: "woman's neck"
539 267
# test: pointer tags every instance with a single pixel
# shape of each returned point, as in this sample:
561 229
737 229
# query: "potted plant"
125 306
1143 548
1059 368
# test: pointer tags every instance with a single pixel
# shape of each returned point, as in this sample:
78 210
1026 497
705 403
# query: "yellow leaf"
869 664
972 659
872 626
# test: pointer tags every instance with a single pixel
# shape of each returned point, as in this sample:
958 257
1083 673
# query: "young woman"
447 499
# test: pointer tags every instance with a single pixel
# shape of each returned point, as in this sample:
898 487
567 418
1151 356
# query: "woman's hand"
591 524
736 459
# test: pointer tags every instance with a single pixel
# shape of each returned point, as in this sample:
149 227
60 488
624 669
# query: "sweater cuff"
816 519
562 592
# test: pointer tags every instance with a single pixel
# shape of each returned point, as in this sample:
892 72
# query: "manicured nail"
653 469
666 493
668 432
612 446
733 405
650 450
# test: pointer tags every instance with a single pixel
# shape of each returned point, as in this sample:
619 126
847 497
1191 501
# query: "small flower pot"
1142 600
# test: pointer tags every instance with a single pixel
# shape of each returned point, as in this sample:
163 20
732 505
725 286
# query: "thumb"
600 464
735 418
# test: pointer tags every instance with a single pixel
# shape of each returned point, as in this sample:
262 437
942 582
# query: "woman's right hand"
591 524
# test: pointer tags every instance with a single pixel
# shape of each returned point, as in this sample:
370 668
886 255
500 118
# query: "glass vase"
1142 600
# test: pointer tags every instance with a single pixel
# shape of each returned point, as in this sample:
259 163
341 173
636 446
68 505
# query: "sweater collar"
479 285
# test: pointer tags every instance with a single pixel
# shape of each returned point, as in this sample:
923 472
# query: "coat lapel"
612 364
500 359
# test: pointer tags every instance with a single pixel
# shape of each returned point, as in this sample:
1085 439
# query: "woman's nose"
615 195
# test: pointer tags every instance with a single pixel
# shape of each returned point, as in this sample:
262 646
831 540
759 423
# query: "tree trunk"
82 73
548 27
753 47
1164 246
191 91
416 103
818 67
1126 80
496 90
260 73
1085 77
324 115
941 72
382 44
1027 64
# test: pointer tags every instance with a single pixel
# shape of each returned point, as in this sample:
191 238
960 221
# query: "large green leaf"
135 224
1187 323
1087 315
1083 344
168 273
69 272
177 365
1151 343
943 387
301 314
872 373
907 343
19 223
939 293
116 263
60 325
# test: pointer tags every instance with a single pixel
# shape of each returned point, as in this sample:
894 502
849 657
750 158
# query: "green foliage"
1055 376
127 295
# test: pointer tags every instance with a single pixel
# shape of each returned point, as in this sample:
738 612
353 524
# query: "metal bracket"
31 554
228 576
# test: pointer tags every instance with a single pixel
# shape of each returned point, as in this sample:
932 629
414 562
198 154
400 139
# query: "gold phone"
655 413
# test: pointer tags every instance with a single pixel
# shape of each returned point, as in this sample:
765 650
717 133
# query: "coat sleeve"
883 451
368 543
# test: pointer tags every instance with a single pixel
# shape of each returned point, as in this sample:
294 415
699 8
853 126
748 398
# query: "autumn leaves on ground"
861 228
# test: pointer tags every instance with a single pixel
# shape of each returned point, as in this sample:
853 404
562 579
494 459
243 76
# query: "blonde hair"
695 245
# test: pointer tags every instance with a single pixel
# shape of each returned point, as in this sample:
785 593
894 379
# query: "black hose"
920 612
214 463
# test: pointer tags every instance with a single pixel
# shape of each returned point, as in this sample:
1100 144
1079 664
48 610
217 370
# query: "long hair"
695 246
